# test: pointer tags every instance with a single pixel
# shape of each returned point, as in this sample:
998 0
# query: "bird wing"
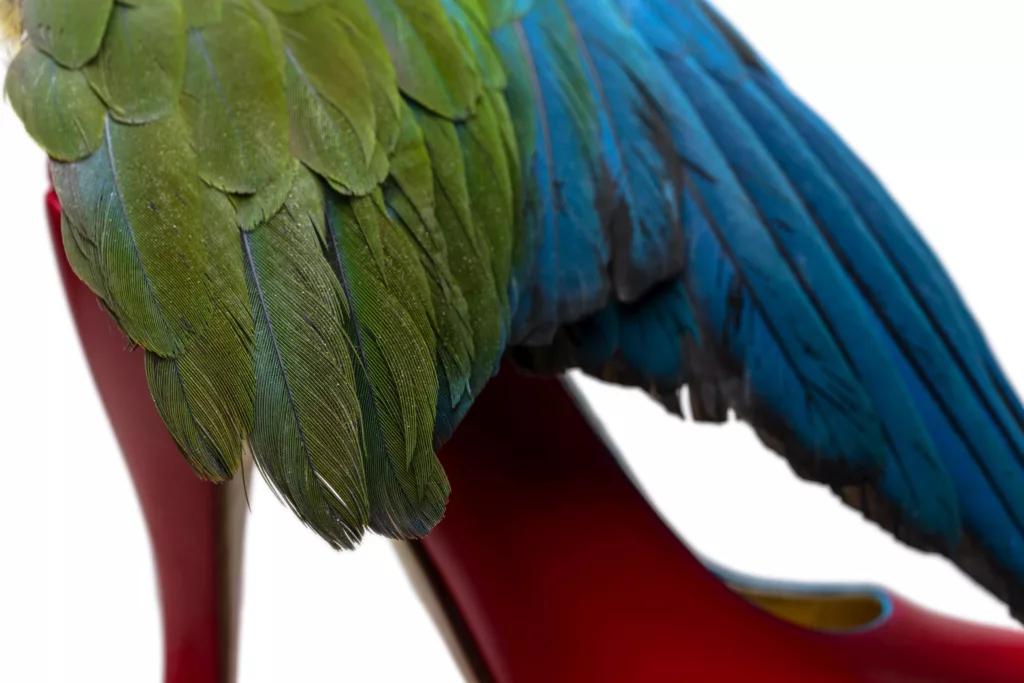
805 301
327 220
303 211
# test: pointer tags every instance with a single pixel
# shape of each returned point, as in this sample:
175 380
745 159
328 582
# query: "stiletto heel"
195 528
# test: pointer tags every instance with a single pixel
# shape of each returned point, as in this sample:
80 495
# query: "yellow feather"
10 20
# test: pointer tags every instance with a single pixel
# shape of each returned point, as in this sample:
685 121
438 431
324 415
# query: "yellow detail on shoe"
835 612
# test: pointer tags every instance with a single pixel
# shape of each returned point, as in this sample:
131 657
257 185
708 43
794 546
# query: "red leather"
559 568
561 571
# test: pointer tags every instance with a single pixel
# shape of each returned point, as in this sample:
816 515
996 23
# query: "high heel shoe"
195 528
549 566
597 587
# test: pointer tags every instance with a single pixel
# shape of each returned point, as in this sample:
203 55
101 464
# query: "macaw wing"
805 301
281 202
326 220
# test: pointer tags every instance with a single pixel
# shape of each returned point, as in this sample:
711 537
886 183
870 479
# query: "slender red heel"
195 528
550 565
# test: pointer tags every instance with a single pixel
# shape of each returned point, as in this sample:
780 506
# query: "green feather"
190 390
234 101
401 273
303 211
141 65
308 193
388 298
199 13
411 168
491 191
411 196
507 130
307 415
468 255
449 313
81 252
387 100
472 9
205 394
149 228
293 6
252 210
59 109
471 24
68 30
431 63
330 101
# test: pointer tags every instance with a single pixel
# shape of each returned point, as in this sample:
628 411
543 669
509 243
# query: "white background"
928 91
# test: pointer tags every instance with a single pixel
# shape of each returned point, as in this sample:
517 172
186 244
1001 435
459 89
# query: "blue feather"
566 275
654 336
938 334
771 341
825 318
641 180
745 251
596 338
925 492
891 296
646 342
768 339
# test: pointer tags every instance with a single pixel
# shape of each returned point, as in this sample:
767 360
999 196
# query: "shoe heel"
195 528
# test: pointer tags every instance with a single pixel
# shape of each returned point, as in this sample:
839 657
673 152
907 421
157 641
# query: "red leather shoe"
527 597
533 597
195 528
